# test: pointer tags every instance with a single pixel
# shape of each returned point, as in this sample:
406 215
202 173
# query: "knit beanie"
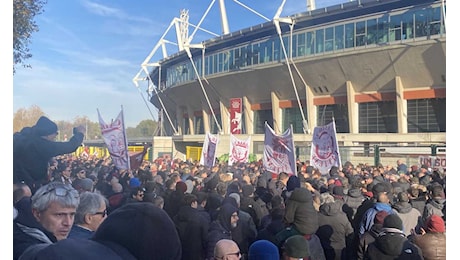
435 223
292 183
263 250
45 127
393 221
297 246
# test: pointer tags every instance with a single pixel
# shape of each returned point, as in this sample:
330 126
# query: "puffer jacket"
300 211
392 244
433 245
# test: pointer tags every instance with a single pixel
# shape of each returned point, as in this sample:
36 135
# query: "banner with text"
114 136
208 153
236 108
324 148
239 150
279 152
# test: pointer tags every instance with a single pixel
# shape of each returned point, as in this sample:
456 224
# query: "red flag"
136 158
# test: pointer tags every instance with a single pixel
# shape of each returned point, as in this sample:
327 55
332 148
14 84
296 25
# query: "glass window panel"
260 116
292 116
339 37
372 31
329 39
337 112
426 115
319 41
349 35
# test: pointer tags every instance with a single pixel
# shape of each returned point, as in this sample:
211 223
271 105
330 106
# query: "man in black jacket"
34 147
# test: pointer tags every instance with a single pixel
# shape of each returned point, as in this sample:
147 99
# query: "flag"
136 158
208 153
279 153
239 150
324 148
236 112
114 136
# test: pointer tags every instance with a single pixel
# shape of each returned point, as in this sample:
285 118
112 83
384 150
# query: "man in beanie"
392 243
295 247
432 241
34 147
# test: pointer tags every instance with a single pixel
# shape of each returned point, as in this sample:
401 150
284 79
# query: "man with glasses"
34 147
48 220
91 212
226 249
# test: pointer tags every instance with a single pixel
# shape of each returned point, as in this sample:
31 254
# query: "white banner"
208 153
114 136
324 148
239 150
279 153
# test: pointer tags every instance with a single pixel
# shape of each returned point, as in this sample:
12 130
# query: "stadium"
377 68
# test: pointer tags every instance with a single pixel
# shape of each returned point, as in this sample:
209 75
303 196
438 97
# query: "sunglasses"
103 213
61 191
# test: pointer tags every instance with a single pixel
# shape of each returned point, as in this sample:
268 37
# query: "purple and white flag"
208 153
114 136
279 152
324 148
239 150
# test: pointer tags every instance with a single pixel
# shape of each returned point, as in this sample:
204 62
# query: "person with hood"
221 228
301 218
34 147
334 231
436 204
391 243
192 228
411 217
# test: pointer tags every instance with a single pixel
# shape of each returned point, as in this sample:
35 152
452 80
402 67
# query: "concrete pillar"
180 119
191 116
401 106
311 109
276 111
206 120
353 109
248 116
225 118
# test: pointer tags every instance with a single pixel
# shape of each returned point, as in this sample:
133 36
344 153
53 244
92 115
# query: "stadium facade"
376 67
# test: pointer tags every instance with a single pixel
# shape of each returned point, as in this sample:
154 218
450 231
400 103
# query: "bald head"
226 249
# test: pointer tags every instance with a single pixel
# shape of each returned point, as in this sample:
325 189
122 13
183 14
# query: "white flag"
279 153
114 136
239 150
208 153
324 148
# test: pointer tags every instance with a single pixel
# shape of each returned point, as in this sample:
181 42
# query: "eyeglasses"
61 191
103 213
237 254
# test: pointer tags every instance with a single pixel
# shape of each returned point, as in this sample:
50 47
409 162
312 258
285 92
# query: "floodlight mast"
184 42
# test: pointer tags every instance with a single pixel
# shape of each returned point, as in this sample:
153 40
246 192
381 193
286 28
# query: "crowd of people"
86 208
